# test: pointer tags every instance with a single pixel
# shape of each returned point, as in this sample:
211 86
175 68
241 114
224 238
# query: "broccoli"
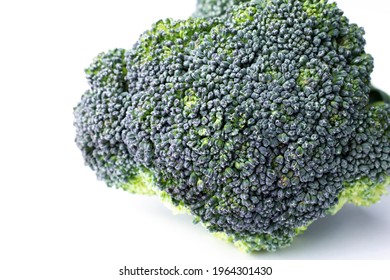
257 121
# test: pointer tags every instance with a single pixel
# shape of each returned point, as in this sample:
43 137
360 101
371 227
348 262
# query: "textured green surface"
257 123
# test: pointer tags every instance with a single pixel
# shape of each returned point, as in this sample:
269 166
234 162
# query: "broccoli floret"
99 119
257 121
367 160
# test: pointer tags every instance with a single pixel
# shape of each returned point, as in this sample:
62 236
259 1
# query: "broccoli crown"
257 121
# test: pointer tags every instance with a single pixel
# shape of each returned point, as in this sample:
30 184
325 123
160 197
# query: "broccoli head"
257 121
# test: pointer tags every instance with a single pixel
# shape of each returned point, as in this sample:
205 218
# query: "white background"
56 220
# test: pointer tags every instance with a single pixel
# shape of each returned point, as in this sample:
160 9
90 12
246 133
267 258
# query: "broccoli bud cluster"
255 120
99 119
